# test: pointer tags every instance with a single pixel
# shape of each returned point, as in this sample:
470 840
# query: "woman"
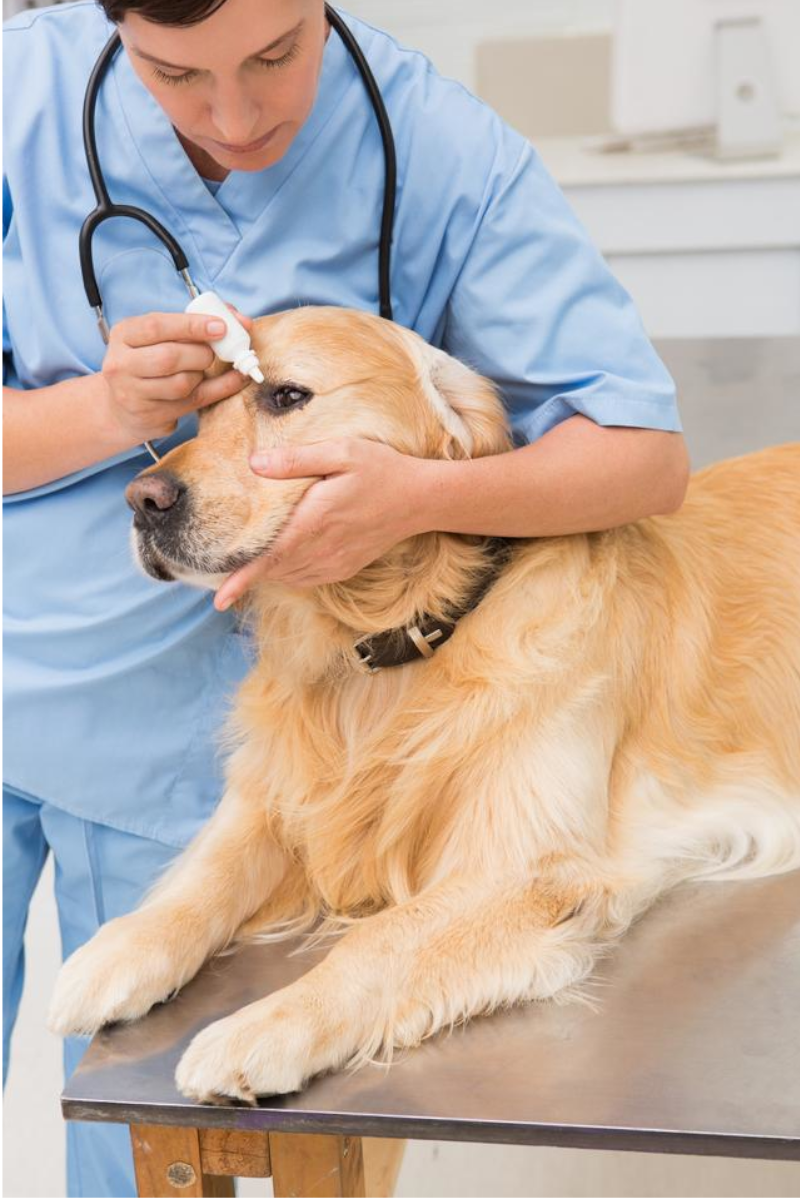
245 128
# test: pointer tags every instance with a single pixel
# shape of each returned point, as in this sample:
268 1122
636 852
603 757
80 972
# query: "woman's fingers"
168 358
240 317
151 329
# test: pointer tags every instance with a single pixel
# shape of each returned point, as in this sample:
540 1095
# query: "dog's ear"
468 406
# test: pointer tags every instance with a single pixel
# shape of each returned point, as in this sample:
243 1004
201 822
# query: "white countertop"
574 163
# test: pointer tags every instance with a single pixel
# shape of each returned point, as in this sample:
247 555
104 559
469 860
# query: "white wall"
449 30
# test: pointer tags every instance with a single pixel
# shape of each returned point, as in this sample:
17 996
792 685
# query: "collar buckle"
423 640
365 655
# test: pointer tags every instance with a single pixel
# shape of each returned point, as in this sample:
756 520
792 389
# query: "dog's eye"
289 395
280 397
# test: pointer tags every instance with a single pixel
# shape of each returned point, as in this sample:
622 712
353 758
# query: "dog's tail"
746 830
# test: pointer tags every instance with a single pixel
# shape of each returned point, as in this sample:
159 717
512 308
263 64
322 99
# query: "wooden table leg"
174 1160
315 1164
168 1162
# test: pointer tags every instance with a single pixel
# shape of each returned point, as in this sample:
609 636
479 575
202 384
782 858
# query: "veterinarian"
244 127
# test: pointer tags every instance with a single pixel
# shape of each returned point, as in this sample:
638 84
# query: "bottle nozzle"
247 364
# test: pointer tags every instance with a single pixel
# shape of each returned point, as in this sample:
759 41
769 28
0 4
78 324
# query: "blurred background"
673 127
706 246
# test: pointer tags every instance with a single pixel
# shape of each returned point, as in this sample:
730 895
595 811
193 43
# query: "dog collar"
409 643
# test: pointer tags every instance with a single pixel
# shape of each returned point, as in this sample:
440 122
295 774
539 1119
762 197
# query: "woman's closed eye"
265 63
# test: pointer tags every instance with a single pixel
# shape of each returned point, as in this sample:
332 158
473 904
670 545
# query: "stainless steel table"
693 1045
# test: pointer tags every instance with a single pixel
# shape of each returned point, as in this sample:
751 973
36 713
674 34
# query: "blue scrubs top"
116 684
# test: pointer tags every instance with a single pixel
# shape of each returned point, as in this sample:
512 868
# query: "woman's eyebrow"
174 66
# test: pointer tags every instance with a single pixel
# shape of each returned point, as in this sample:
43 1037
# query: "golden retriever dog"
614 713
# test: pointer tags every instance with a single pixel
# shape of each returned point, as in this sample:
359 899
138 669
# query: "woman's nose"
235 117
154 498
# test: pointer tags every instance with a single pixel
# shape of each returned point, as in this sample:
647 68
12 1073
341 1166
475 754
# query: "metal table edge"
583 1137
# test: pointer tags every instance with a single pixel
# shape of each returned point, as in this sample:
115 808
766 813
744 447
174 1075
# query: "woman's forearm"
50 432
577 478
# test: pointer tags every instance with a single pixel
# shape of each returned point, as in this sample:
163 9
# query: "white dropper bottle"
234 346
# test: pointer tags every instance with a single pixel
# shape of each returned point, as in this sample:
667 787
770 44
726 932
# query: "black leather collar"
394 647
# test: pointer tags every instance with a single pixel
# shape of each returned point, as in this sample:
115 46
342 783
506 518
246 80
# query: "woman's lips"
249 147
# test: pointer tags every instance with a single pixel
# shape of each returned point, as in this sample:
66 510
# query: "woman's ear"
473 417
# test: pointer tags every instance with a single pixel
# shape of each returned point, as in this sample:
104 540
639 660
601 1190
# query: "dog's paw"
119 975
266 1049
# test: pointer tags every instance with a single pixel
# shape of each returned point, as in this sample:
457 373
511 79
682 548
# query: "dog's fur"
621 712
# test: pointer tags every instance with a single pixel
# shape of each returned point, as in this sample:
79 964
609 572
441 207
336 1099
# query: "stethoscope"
106 208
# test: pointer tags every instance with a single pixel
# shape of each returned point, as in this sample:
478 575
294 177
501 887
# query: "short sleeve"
536 309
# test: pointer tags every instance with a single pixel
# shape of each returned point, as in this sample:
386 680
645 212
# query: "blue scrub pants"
100 873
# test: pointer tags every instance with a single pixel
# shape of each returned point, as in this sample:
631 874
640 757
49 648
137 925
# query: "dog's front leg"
457 950
137 960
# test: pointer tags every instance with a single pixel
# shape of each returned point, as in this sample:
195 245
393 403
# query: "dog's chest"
341 796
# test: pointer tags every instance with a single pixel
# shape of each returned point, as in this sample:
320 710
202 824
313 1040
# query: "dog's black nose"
154 497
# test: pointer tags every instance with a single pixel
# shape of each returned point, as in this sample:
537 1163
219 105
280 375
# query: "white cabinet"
706 249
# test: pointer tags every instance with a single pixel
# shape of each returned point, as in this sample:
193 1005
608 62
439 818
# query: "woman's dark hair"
162 12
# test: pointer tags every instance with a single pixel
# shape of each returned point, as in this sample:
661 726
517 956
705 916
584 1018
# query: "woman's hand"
362 506
153 371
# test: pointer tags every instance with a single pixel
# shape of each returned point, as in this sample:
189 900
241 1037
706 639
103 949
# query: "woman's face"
239 85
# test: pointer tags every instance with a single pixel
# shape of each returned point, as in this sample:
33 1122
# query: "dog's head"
329 373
